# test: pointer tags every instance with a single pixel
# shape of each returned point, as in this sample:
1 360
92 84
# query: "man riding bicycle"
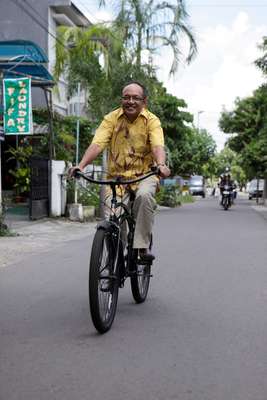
135 142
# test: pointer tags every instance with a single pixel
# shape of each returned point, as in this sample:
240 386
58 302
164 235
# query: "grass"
187 198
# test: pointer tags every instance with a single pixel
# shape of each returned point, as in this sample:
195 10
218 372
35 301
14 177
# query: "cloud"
222 71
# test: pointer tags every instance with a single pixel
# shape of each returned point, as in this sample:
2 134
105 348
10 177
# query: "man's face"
133 101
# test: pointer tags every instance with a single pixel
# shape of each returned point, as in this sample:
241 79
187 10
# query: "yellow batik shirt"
129 144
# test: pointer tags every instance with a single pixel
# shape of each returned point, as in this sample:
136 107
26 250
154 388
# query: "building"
37 20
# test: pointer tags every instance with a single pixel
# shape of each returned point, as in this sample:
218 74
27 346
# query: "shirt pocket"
139 141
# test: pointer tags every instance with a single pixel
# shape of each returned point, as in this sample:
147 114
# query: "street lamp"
198 114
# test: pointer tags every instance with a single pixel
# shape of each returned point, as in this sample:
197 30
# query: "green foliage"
248 125
89 196
169 196
149 25
261 62
185 198
22 172
191 151
134 30
64 135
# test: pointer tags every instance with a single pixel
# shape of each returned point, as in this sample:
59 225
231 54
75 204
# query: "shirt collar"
143 113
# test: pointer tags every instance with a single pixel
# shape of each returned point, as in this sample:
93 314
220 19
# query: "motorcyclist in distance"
226 180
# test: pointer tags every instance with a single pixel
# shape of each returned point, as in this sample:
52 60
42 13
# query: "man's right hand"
71 171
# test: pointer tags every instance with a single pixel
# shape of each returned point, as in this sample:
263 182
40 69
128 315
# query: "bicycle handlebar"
118 180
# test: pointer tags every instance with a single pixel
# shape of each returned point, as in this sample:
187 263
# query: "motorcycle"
227 197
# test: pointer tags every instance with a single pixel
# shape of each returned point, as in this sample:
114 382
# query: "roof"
23 58
72 12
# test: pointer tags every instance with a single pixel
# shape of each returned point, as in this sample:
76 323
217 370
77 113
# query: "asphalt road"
201 335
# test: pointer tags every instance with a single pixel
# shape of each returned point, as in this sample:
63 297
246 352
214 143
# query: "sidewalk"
262 210
33 237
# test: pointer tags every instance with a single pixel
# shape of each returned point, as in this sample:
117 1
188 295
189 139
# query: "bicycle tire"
140 278
103 285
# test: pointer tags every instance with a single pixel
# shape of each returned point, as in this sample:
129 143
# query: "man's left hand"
164 171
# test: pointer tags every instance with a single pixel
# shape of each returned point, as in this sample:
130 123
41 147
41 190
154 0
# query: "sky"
227 34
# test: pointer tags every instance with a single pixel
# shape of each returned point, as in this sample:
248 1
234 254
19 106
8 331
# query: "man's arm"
90 155
160 158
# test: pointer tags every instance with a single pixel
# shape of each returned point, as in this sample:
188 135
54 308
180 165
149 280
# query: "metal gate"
39 188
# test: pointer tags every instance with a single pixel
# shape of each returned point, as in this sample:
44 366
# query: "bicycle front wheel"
103 284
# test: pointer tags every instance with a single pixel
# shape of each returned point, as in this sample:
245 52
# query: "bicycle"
111 263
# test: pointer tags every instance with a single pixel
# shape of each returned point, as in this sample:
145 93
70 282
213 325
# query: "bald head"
133 100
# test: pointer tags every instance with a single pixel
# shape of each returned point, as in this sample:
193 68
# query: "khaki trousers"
144 210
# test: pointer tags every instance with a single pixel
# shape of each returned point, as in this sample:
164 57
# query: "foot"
145 255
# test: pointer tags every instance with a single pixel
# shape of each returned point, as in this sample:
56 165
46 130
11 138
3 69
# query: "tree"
80 58
248 125
261 62
149 25
78 52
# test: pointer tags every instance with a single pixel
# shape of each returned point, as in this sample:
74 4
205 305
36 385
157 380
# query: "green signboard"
17 106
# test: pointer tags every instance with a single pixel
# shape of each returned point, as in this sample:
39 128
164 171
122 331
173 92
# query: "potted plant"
89 198
21 174
87 204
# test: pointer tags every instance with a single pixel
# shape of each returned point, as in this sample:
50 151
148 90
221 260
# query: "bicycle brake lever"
155 169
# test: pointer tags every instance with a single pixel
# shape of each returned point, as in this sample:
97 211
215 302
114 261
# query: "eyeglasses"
133 98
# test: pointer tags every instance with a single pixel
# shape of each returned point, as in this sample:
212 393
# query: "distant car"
176 180
255 188
196 185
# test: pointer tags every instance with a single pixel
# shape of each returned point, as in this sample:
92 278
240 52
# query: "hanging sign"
17 106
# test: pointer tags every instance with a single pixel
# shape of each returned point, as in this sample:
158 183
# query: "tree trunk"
264 196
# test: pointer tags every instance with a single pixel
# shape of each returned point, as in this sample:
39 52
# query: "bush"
169 196
186 198
89 196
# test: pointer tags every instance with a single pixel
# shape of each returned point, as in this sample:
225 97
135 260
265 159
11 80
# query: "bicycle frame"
114 223
108 265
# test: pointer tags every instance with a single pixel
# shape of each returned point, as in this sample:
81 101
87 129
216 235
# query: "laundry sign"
17 106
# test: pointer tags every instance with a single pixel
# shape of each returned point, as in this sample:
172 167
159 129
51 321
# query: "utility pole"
77 138
102 187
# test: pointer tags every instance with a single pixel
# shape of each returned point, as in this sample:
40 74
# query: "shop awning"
23 58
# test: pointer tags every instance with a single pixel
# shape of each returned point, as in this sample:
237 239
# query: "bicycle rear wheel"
140 277
103 284
140 282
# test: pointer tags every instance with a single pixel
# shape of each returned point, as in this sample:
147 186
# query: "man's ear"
145 101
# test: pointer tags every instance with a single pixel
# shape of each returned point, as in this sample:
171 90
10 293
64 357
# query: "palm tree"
76 44
261 62
152 24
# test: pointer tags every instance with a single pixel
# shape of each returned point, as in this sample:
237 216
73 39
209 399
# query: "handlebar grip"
77 173
155 169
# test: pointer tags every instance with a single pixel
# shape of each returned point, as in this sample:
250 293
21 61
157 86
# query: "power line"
21 6
34 10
